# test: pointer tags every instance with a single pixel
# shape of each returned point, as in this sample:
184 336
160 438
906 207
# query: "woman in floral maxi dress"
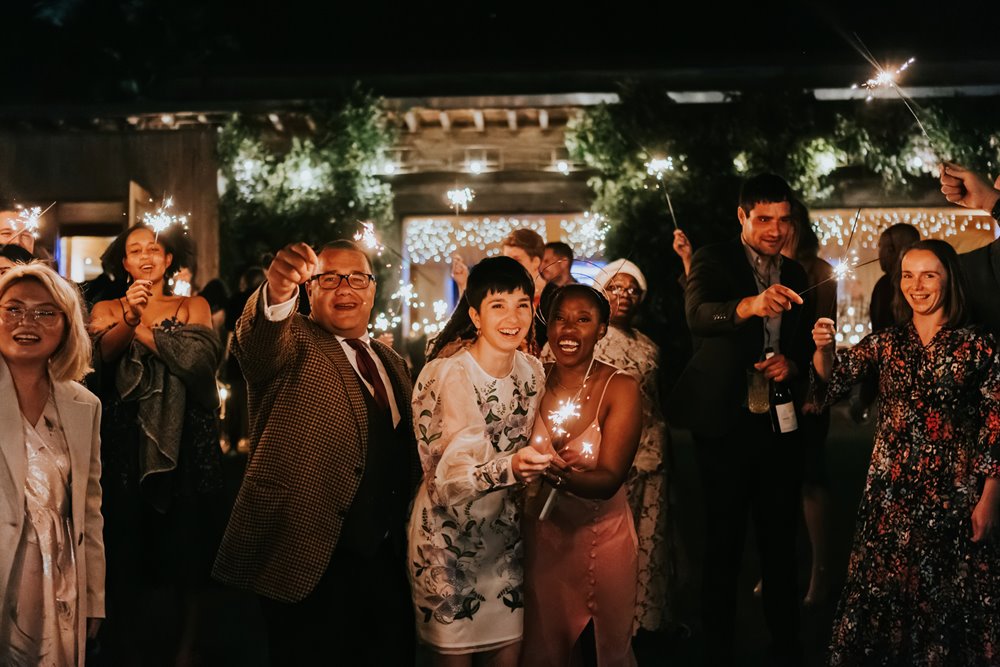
473 416
923 585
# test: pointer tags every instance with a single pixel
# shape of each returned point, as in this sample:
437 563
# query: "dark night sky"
126 50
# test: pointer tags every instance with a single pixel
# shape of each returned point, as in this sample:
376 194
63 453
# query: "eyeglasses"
332 280
630 291
14 315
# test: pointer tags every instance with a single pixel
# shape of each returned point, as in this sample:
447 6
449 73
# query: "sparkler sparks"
368 238
883 79
161 219
658 166
568 409
460 198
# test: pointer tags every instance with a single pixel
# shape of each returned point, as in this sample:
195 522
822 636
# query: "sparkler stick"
840 272
885 79
657 167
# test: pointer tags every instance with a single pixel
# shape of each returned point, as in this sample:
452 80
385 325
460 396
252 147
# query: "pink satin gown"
581 565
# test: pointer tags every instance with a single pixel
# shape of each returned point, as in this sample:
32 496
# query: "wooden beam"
412 124
512 120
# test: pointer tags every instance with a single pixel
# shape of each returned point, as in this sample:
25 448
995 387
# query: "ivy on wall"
278 189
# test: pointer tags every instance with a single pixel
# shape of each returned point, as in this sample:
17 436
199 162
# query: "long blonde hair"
71 360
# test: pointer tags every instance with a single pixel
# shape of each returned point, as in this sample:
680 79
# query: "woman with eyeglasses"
157 356
52 558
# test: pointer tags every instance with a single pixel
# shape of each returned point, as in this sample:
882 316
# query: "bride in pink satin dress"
580 560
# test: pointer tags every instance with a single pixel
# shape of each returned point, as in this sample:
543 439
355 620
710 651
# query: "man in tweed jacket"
317 528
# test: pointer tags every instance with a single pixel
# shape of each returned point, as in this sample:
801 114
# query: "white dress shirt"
280 311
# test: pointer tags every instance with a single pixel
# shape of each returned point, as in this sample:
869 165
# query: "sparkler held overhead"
657 167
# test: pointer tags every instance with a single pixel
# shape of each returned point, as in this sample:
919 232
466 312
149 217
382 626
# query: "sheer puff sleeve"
459 460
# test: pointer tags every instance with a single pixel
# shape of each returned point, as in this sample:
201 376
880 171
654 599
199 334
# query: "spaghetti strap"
601 402
121 303
182 302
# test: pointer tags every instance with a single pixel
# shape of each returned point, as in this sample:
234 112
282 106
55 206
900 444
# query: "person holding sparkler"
155 357
581 553
14 231
743 297
923 583
473 417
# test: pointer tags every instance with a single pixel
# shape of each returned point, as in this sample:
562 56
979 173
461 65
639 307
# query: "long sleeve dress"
919 591
464 547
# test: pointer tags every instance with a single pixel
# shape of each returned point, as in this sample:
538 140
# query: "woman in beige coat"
51 545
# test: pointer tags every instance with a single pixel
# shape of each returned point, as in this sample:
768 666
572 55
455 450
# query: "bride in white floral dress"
473 417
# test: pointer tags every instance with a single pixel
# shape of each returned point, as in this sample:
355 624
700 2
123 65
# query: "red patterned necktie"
369 371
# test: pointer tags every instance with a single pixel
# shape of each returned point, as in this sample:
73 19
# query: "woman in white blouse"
473 415
52 558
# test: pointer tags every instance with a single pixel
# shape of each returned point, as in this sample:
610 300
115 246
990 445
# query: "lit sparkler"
658 166
568 409
160 219
368 238
460 198
886 78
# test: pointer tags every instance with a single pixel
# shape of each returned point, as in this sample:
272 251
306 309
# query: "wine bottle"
783 418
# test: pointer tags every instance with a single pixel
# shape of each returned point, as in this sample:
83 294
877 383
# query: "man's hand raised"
293 265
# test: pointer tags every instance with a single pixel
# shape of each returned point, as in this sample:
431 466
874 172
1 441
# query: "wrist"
132 323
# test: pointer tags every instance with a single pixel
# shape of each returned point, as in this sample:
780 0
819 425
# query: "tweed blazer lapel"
332 349
12 452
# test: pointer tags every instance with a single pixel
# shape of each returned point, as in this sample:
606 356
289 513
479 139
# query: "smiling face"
923 281
503 319
11 232
29 339
343 311
574 328
766 226
145 258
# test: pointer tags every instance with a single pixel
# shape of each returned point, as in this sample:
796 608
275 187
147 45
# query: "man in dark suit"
742 297
981 267
318 526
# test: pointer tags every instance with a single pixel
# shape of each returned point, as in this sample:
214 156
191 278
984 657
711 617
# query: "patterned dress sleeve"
988 461
458 460
850 367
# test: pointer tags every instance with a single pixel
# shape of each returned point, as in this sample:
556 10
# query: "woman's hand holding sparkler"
824 335
528 464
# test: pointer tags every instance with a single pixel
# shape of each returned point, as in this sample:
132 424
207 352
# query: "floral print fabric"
919 591
464 537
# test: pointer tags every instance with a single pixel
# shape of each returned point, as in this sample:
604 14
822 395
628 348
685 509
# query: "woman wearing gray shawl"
157 356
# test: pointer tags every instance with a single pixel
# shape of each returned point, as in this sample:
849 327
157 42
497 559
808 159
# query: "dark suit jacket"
309 436
712 388
981 269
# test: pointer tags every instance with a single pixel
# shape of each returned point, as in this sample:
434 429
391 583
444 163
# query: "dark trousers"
751 471
359 614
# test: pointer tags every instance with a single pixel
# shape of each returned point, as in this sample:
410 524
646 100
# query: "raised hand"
963 187
292 266
682 246
459 272
824 333
137 298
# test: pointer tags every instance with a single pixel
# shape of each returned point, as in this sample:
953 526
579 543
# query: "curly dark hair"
174 240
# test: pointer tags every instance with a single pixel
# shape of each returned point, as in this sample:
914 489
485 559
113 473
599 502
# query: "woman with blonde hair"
52 562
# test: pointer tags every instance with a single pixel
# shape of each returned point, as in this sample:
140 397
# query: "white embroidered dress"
464 534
